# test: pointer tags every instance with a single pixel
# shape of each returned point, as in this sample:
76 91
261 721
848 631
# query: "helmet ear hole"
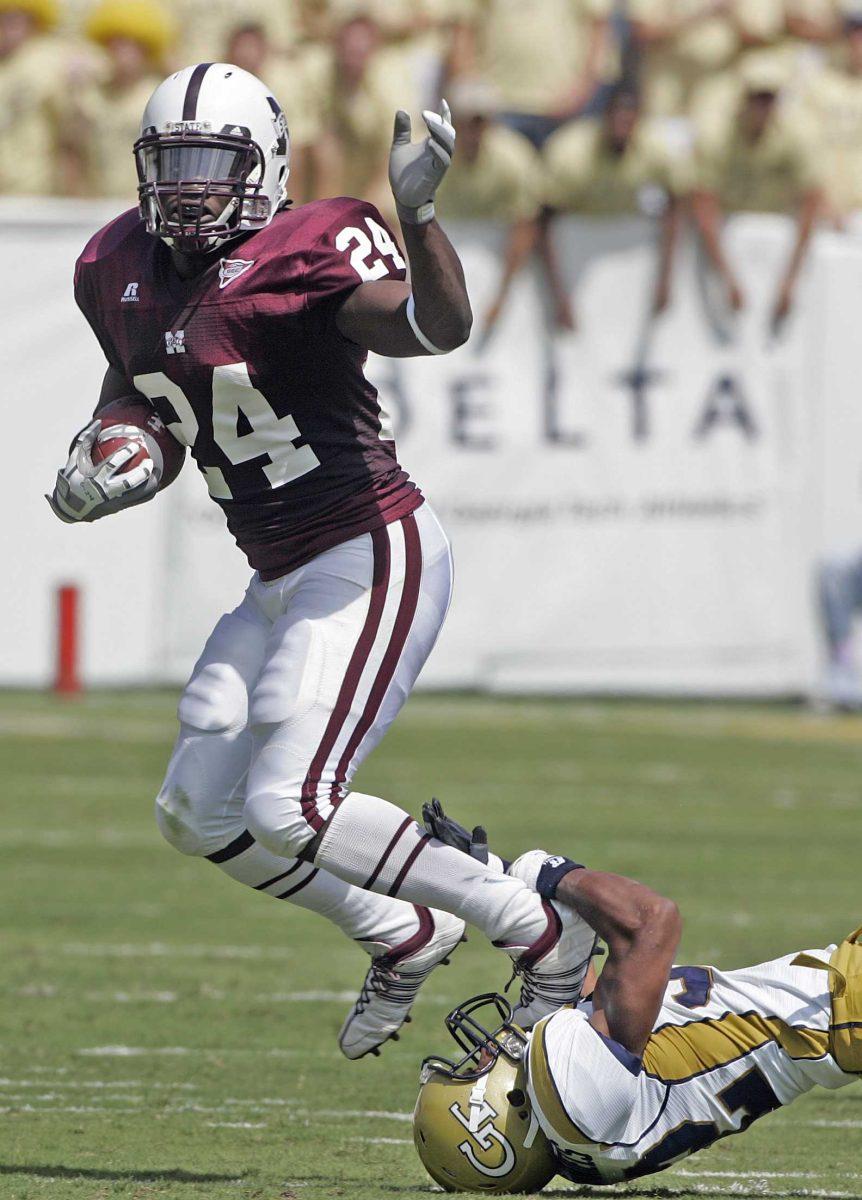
516 1098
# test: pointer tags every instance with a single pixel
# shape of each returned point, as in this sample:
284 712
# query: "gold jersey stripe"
678 1052
546 1095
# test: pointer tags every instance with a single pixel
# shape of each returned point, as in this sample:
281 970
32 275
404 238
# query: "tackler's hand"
416 169
448 831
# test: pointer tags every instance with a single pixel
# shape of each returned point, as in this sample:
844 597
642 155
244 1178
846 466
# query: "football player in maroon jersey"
246 325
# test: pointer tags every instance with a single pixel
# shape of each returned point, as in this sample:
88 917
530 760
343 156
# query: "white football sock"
373 844
379 923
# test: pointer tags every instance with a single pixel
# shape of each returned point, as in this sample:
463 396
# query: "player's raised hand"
416 169
86 490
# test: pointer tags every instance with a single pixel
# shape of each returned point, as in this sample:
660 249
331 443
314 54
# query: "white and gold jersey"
728 1047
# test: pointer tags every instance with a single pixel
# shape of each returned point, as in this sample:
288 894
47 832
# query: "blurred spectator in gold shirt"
681 42
298 78
102 117
416 38
834 104
544 58
33 68
353 152
495 176
206 25
761 161
616 166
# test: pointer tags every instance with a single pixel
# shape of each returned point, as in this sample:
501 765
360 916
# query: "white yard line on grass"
739 1187
358 1113
203 1051
824 1124
99 1084
67 839
236 1124
78 1109
95 729
753 1174
165 950
381 1141
132 997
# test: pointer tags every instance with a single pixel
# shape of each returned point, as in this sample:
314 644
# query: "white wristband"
423 341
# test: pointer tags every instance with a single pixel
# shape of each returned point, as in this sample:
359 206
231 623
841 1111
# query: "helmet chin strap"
532 1131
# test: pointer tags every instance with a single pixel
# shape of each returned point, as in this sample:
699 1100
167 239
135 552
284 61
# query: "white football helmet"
213 157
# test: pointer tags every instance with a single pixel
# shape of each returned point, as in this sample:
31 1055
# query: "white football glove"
415 171
86 491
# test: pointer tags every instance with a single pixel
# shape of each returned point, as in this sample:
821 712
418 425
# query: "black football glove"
448 831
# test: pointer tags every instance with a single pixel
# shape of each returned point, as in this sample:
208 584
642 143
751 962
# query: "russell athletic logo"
130 295
175 341
231 269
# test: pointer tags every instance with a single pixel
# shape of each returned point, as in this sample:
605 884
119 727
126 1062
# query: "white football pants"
293 690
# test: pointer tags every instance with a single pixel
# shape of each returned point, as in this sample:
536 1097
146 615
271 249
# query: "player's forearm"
622 911
115 386
442 306
642 931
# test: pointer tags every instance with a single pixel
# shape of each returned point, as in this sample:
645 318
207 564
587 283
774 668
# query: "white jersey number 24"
233 393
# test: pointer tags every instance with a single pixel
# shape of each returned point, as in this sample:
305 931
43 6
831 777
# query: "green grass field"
167 1033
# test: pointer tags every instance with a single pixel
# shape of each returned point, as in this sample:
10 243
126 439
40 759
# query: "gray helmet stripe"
190 103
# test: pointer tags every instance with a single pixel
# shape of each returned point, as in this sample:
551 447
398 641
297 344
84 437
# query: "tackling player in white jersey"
657 1063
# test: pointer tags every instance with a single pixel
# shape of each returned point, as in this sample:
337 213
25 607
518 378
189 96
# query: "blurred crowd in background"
603 107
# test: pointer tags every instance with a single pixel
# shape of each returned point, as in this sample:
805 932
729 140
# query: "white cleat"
392 985
552 972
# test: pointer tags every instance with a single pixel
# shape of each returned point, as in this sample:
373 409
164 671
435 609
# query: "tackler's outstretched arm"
431 313
642 931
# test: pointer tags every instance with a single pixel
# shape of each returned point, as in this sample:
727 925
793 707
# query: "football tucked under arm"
119 460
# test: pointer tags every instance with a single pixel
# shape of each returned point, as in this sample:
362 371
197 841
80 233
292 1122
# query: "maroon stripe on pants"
544 943
341 711
398 640
259 887
420 938
298 888
411 859
372 879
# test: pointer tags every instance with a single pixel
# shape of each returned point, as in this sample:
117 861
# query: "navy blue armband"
551 872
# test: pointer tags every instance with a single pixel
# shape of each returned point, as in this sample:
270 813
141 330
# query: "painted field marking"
236 1125
824 1124
45 725
48 991
752 1174
382 1141
203 1051
164 950
78 1109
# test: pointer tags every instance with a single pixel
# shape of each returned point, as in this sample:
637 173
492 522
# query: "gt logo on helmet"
485 1135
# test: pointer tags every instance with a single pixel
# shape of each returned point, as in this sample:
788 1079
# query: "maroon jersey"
247 367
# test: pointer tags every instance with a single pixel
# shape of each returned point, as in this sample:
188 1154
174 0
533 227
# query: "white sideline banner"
635 507
628 504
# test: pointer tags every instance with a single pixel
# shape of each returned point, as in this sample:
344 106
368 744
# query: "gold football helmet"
473 1124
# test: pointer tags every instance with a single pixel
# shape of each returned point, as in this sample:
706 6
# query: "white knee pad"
199 806
215 700
278 823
